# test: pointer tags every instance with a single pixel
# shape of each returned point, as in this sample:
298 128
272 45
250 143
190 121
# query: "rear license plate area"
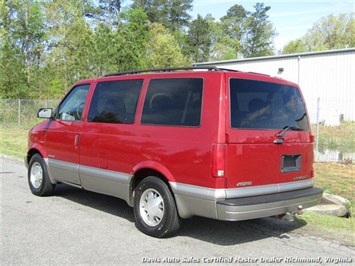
290 163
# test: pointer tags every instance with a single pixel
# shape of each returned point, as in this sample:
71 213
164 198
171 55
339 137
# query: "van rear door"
268 134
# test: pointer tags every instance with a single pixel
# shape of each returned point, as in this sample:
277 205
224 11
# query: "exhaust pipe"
290 216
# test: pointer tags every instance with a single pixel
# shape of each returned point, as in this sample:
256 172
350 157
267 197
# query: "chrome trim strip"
268 189
221 193
197 191
105 174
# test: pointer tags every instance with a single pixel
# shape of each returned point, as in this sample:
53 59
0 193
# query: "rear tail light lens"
218 160
311 138
312 173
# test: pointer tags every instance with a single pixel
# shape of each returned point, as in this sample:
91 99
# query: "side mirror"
45 113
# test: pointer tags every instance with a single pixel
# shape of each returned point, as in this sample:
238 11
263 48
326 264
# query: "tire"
154 208
38 178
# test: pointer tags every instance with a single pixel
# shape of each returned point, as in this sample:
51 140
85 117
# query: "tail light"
218 160
311 138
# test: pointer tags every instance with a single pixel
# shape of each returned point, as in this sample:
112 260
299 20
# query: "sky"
291 18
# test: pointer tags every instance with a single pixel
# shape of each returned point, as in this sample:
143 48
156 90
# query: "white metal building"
327 79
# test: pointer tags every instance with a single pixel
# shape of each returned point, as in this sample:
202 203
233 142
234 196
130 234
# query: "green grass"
336 178
328 221
13 141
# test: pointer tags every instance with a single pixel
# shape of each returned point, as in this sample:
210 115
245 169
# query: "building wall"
327 79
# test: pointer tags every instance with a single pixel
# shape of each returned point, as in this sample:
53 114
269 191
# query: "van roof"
176 69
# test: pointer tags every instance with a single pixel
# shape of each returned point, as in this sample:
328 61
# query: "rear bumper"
237 209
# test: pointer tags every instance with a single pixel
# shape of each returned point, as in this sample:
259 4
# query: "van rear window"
173 102
264 105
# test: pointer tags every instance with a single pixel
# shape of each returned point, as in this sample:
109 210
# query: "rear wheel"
154 208
38 178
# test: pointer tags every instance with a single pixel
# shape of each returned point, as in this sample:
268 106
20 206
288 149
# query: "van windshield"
264 105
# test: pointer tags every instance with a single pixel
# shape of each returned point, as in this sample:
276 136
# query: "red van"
174 143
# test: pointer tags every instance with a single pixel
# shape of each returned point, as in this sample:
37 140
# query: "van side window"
174 102
71 108
263 105
115 101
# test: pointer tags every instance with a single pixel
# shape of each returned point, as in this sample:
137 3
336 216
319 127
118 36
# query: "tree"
245 33
103 11
198 40
231 30
103 46
259 33
350 32
111 49
172 14
234 22
331 32
163 50
67 32
111 7
295 46
178 16
22 46
156 10
226 48
132 40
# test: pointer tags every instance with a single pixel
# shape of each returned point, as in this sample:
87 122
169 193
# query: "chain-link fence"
334 137
333 124
22 113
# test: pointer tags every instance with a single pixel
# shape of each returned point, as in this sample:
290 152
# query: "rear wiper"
281 136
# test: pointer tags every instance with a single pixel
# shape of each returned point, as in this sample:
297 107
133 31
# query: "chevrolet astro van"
179 142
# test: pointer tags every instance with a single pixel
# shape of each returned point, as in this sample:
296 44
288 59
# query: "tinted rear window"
174 102
263 105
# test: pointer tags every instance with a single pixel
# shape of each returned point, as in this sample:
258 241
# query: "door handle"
76 140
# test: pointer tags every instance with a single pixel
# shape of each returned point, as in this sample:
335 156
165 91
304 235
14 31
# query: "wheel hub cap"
151 207
36 177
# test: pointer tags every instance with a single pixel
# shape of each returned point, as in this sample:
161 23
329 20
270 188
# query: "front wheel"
38 178
154 208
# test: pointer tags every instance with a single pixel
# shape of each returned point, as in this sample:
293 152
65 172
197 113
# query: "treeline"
47 45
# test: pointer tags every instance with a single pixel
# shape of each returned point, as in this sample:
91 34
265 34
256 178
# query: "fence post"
19 113
317 129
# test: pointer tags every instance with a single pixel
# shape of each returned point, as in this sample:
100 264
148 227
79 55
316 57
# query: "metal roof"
347 50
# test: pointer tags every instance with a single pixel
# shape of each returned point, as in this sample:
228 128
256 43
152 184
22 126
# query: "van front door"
62 136
107 138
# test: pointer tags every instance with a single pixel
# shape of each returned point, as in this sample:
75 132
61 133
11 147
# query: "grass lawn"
13 141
